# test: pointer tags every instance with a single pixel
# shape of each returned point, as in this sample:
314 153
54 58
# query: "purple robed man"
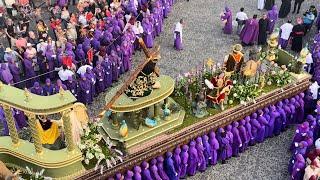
29 71
161 170
214 147
283 116
20 118
184 160
301 148
50 59
100 75
243 135
145 171
249 34
72 86
127 53
119 176
268 118
147 34
169 167
230 136
129 175
300 134
48 88
80 54
223 143
294 105
36 89
85 90
14 69
272 17
237 142
227 18
263 123
277 120
298 168
58 86
154 170
273 115
249 129
207 149
95 43
299 104
177 160
288 111
107 66
69 50
293 110
255 127
193 159
5 75
178 36
116 65
120 55
202 164
91 77
137 173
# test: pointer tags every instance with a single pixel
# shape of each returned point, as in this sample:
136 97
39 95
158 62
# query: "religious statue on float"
233 61
199 106
219 87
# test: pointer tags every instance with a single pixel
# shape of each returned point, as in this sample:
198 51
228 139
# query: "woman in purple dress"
36 89
227 19
272 17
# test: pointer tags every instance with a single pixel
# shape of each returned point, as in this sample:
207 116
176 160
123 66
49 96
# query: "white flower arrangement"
38 175
94 149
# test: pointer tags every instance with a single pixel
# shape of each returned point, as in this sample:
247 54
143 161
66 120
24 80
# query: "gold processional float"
135 112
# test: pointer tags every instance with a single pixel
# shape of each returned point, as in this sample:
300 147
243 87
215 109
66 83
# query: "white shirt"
241 16
309 59
42 46
65 74
178 28
286 30
314 90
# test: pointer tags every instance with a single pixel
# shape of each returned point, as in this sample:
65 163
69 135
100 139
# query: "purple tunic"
29 71
80 54
72 86
48 88
249 129
145 171
169 167
85 90
298 168
237 143
184 161
230 136
15 71
224 142
127 53
116 65
147 36
202 164
177 160
193 161
243 135
5 75
255 126
100 75
283 116
91 77
178 41
161 170
137 173
263 123
129 175
107 65
273 116
50 59
59 85
228 18
207 149
272 17
37 89
214 147
20 118
249 33
154 170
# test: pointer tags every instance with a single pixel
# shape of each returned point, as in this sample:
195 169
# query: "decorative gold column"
11 125
32 121
157 110
67 130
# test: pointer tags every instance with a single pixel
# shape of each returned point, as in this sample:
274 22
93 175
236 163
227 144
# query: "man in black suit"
297 2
